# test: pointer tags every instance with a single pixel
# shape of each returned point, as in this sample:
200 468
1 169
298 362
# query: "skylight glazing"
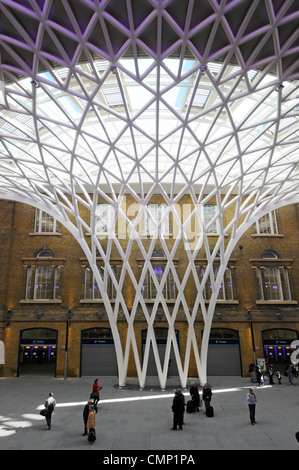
158 123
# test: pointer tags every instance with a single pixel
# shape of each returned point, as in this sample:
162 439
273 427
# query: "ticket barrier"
38 354
278 353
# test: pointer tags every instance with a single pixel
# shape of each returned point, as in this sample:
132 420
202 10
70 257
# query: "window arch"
268 254
158 254
97 333
281 333
221 333
44 253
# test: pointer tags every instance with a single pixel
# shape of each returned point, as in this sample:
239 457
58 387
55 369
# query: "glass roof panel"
150 117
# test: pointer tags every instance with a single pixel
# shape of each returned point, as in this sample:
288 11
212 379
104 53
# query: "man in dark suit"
178 411
207 396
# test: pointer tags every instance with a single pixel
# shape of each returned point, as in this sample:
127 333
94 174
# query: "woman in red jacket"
95 394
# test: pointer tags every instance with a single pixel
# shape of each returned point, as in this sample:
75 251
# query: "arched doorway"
98 356
224 356
37 352
161 335
277 345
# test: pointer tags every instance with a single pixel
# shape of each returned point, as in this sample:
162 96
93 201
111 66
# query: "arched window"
273 278
45 254
269 255
97 333
43 277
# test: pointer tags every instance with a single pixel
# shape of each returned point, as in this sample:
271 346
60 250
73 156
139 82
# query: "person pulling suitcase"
207 397
91 424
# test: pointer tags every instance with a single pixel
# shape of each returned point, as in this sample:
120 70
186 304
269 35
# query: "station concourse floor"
130 419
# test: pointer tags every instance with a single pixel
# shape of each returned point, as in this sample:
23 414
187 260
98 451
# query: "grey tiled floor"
133 419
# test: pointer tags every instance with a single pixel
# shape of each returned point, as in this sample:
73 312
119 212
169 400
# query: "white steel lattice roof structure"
180 97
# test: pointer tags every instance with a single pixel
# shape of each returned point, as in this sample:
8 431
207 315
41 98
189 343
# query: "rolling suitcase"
190 406
91 435
210 412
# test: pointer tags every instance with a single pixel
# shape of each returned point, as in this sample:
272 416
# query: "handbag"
43 412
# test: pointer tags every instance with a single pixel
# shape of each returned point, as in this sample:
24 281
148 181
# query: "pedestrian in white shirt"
50 404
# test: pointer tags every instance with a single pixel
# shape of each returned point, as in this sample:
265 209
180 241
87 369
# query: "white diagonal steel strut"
123 106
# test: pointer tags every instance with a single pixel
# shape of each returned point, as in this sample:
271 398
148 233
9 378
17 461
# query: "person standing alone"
178 411
207 397
251 400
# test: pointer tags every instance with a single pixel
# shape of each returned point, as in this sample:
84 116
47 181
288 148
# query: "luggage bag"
190 406
91 435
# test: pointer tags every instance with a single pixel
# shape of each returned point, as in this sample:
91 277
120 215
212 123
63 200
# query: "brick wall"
18 242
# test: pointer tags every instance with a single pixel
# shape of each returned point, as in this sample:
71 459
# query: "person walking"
251 400
291 374
85 416
195 396
207 396
178 411
50 404
91 423
95 394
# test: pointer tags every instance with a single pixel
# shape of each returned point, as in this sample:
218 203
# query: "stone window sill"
40 301
276 302
267 235
46 234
